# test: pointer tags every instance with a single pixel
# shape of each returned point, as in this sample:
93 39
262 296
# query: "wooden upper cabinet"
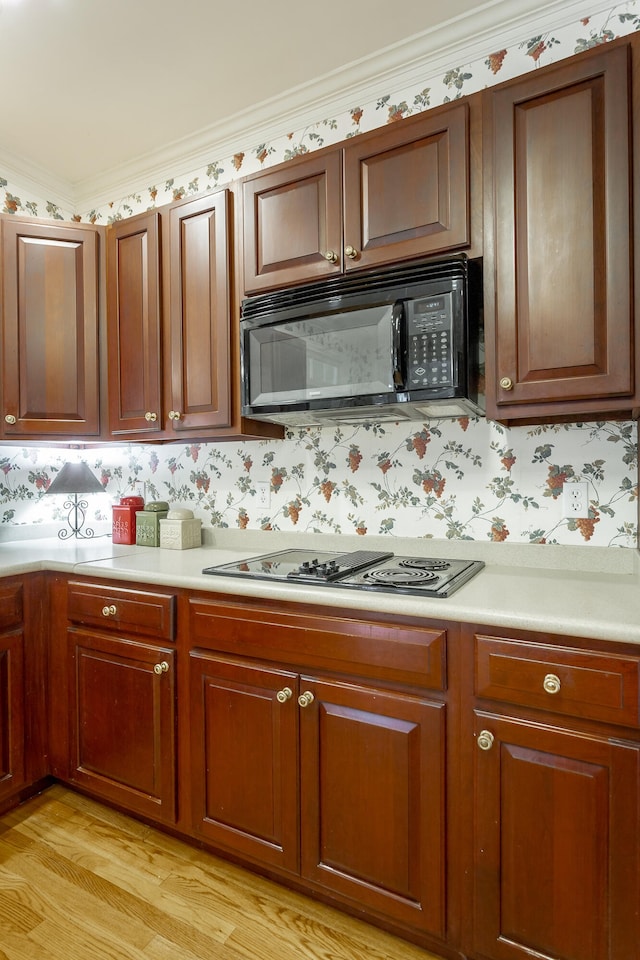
406 189
49 308
382 197
293 222
199 316
558 251
133 325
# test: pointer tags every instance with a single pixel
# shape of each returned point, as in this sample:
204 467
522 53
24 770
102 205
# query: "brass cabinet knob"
331 256
175 415
551 683
306 698
160 668
283 695
109 611
150 417
9 418
350 252
485 739
506 383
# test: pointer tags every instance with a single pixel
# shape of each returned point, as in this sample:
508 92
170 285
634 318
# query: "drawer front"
125 611
10 605
593 685
401 654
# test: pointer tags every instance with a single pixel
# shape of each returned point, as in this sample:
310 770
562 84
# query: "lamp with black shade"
75 478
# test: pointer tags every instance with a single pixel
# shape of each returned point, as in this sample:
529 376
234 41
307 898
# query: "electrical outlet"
575 500
263 493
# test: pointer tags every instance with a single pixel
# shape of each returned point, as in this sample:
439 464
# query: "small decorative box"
180 530
148 523
124 519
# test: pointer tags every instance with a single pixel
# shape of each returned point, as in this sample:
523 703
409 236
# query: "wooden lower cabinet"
244 758
557 856
474 790
339 782
23 732
12 712
372 799
122 719
113 715
556 799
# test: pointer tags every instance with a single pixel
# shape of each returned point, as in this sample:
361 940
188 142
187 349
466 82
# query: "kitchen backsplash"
455 479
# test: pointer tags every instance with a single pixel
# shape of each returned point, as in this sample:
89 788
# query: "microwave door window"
346 354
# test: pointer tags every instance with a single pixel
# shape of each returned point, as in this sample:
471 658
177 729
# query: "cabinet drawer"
579 683
10 605
403 654
130 611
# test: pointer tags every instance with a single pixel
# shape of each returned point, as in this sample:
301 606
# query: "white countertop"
586 592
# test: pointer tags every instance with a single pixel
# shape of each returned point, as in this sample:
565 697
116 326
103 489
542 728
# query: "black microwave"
404 343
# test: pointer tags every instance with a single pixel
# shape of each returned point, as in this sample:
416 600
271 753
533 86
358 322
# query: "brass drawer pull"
506 383
551 683
150 417
283 695
485 739
351 252
160 668
9 418
109 611
306 699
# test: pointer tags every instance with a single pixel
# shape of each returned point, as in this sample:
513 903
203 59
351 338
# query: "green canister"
148 523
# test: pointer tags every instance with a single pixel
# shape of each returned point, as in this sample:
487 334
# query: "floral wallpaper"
450 479
460 80
464 478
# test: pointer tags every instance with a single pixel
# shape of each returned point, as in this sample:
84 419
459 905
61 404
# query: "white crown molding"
415 61
38 181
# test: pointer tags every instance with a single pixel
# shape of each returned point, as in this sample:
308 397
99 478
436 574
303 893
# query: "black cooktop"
375 570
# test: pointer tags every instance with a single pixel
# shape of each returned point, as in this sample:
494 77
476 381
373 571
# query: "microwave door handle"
397 324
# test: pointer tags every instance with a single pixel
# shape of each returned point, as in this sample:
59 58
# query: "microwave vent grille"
395 278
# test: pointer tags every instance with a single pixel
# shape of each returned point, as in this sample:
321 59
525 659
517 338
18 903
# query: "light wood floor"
79 881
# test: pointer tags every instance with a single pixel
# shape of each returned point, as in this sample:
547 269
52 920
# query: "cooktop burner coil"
397 576
425 563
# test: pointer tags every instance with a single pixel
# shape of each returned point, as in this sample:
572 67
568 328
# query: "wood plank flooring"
79 881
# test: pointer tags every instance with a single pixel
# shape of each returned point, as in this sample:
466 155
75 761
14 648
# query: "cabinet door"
122 722
557 845
559 321
293 223
199 316
244 760
372 800
12 713
406 190
50 330
133 325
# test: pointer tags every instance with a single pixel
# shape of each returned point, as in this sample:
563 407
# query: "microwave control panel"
429 342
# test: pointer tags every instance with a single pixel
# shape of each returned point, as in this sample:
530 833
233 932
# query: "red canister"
124 519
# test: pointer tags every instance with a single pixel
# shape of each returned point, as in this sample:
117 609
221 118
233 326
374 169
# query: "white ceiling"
89 90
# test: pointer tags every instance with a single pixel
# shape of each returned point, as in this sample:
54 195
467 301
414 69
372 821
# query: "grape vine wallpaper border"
459 80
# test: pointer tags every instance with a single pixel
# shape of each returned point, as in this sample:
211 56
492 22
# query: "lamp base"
76 518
